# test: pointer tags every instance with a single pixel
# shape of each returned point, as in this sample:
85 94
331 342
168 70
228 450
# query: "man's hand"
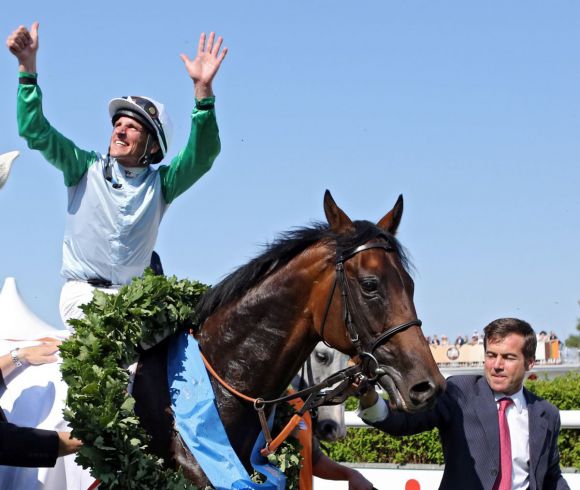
364 391
358 482
368 398
206 64
39 354
67 444
23 44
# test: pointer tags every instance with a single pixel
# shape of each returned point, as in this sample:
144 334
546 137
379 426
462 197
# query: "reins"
339 376
315 398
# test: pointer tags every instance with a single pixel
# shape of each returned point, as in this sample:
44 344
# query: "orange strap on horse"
272 446
223 383
284 433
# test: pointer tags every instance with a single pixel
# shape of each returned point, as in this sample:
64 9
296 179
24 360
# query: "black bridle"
348 316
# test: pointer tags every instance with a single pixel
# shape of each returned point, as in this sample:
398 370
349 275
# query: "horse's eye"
369 285
321 357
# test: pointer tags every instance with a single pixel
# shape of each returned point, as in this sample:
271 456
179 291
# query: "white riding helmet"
148 112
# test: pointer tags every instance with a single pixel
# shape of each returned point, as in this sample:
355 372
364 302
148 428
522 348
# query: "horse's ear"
392 219
337 219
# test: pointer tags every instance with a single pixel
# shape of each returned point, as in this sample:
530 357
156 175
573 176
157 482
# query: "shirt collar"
518 398
132 172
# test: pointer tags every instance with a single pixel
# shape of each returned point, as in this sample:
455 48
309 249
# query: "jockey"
116 201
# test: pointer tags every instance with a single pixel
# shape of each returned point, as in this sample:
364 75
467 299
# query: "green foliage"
574 340
106 341
563 391
373 446
289 460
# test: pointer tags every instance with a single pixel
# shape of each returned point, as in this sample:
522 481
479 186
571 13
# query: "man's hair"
499 329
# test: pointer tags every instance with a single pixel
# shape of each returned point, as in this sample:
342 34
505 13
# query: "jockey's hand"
23 44
203 68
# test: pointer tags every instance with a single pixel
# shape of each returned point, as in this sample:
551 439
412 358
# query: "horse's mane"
278 253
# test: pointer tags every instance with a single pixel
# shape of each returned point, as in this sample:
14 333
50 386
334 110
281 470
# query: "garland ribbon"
198 421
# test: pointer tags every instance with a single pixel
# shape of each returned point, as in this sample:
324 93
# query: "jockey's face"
128 142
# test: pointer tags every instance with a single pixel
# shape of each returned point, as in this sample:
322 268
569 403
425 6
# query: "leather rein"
345 377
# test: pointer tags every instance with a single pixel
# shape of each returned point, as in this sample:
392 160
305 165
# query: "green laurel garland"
99 408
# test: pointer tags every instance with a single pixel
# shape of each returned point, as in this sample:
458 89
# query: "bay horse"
346 283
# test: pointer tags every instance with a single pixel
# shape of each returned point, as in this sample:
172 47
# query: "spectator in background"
444 340
542 336
460 340
435 340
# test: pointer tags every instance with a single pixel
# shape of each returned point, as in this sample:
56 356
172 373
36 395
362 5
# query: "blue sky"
471 110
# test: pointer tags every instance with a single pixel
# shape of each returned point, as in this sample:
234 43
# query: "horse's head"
370 310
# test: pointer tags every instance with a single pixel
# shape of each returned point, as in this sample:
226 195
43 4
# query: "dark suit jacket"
24 446
466 416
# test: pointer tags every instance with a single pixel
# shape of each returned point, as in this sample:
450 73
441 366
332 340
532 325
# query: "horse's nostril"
422 387
422 392
327 430
328 427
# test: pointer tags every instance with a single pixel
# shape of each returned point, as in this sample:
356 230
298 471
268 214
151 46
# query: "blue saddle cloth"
198 422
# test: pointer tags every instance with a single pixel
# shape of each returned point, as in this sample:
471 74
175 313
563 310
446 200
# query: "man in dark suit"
467 416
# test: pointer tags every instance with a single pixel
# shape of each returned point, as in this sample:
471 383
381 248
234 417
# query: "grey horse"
324 361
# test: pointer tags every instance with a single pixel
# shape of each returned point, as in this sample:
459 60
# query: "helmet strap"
147 157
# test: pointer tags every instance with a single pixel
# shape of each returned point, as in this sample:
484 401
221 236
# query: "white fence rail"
570 419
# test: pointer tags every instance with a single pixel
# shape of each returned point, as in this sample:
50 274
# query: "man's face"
128 141
505 366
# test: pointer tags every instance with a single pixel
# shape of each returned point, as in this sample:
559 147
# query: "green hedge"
374 446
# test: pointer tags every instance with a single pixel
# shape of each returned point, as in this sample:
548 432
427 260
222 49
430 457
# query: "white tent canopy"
17 322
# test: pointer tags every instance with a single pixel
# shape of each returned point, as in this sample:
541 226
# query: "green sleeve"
198 155
40 135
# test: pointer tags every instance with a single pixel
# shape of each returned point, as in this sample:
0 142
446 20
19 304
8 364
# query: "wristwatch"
15 359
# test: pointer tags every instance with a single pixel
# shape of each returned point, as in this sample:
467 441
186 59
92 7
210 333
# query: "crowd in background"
477 338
